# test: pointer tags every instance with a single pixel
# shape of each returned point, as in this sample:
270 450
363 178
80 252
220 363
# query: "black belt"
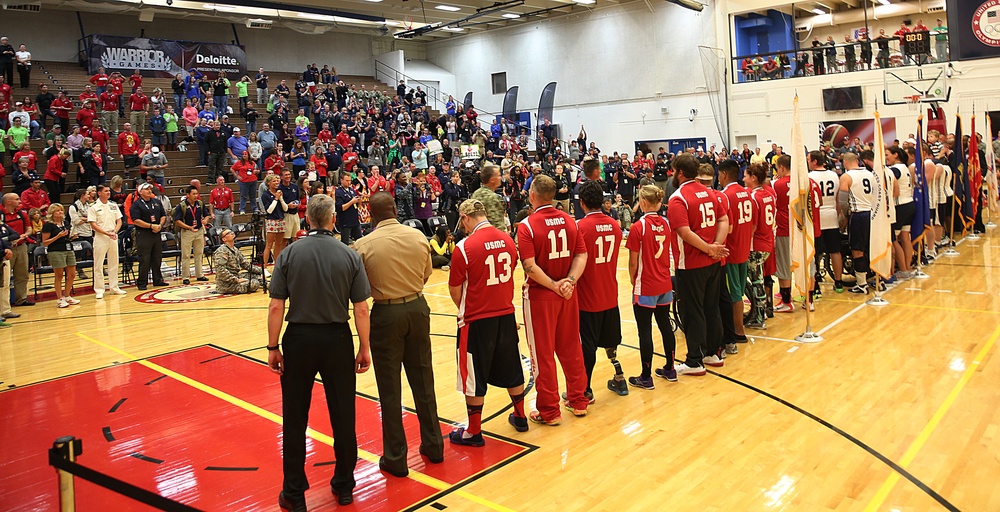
404 300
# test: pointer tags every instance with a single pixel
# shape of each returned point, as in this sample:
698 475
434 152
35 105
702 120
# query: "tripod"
257 246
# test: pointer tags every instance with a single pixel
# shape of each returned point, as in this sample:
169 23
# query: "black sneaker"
519 424
618 386
667 373
294 505
641 382
458 437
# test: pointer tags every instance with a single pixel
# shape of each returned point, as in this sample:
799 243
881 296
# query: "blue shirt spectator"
238 144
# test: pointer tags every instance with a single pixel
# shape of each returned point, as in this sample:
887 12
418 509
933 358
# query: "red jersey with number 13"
597 289
483 265
696 207
650 235
550 236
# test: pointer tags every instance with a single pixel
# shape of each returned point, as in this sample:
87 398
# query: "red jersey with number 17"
597 288
696 207
550 236
650 236
483 265
742 221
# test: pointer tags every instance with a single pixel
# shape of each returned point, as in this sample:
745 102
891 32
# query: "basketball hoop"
913 102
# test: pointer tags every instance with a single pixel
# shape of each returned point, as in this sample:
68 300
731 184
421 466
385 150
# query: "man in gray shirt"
319 276
153 164
267 139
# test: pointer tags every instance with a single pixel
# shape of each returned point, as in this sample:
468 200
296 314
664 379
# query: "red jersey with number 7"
597 288
650 235
550 236
483 265
742 221
696 207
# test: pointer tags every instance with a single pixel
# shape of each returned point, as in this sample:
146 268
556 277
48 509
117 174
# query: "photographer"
454 193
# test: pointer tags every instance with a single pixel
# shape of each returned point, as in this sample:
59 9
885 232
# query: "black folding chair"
171 249
84 253
40 267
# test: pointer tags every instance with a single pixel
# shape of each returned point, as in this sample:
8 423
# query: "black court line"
145 458
156 379
117 405
108 436
224 468
438 506
327 463
861 444
214 358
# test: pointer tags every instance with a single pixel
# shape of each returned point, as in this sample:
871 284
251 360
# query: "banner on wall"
974 28
163 58
842 133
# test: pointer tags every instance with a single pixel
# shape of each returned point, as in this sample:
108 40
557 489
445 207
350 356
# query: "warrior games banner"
835 132
974 28
163 58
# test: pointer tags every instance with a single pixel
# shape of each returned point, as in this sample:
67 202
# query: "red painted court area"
171 437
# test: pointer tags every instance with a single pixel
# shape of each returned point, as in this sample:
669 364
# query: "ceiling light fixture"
690 4
818 11
884 2
217 7
316 17
449 8
454 29
373 1
585 2
511 16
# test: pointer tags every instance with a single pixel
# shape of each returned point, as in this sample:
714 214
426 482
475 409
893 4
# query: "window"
499 81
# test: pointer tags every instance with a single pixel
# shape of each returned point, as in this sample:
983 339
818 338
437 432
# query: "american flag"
992 17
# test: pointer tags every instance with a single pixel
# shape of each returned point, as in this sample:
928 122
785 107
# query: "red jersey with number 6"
742 221
650 235
550 236
696 207
483 265
597 288
763 236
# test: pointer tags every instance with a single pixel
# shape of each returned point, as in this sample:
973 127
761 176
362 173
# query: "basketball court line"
318 436
932 424
897 468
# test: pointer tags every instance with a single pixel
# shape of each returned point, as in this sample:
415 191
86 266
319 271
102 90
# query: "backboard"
929 81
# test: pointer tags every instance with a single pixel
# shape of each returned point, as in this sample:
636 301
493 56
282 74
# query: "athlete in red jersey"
600 320
482 285
706 176
742 222
553 257
762 244
700 224
652 293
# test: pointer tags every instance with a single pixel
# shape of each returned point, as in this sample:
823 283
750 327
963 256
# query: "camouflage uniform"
230 266
495 211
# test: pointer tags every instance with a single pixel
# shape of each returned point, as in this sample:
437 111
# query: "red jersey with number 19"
696 207
483 265
597 288
742 221
550 236
650 235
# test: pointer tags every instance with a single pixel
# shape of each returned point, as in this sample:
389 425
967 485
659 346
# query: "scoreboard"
917 43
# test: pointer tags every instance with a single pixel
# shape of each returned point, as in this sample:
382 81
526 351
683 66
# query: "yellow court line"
923 306
264 413
925 434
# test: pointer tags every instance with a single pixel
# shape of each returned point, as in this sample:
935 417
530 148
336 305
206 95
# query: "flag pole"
950 251
877 300
808 336
919 272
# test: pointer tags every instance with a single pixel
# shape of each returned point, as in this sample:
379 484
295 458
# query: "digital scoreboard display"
917 43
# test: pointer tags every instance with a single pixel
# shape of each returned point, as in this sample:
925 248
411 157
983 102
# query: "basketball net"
913 102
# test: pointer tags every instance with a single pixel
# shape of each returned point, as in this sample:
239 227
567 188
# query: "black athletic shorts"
828 241
904 216
487 354
601 329
859 231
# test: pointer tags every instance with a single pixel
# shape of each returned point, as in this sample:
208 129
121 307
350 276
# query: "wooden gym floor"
897 409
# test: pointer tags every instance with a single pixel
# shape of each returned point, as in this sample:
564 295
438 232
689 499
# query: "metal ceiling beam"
417 32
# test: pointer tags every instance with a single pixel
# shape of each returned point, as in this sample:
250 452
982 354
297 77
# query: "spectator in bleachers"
43 102
246 172
200 134
158 128
236 145
171 119
153 165
86 115
217 147
22 176
274 208
190 115
55 173
291 194
138 104
251 116
57 237
23 58
75 139
20 119
34 196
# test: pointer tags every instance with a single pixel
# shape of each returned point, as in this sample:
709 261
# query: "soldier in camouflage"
495 211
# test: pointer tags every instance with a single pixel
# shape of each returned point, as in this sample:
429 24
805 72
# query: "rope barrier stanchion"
62 456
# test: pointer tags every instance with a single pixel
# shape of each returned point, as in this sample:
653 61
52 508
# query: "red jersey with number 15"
650 235
550 236
483 265
597 288
742 221
696 207
763 236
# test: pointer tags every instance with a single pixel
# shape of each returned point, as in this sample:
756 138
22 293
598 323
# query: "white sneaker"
445 267
99 294
71 301
684 369
62 303
713 360
117 291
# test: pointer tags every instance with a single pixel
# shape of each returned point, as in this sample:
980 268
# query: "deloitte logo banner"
164 58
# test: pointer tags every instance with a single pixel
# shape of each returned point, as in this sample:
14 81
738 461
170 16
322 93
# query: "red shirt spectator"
61 106
35 197
109 101
129 143
351 159
275 163
5 92
246 172
435 184
344 139
377 184
99 80
32 159
325 135
221 197
137 101
88 95
85 117
116 85
693 206
100 136
321 165
135 80
53 169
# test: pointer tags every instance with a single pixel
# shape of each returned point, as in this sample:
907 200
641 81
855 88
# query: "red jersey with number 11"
483 265
650 235
550 236
696 207
597 288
